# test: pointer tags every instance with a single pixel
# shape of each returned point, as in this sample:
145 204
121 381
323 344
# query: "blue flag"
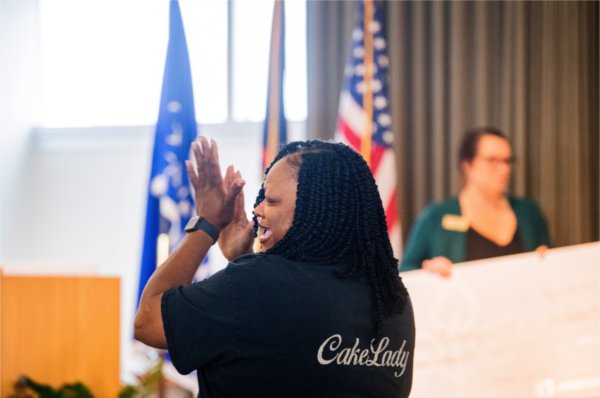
275 127
170 202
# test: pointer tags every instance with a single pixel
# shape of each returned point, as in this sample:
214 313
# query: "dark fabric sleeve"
531 224
417 244
200 320
542 236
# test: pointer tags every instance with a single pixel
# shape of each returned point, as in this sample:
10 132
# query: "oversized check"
514 326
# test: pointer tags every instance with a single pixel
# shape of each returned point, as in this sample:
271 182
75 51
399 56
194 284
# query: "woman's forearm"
179 269
216 203
182 264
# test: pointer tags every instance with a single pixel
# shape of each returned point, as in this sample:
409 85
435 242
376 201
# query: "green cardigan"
428 239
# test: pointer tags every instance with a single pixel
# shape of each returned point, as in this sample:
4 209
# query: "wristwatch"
199 223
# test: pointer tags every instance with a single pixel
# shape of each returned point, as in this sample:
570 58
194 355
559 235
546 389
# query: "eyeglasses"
496 161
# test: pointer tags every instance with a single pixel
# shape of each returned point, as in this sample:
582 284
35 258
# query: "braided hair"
339 215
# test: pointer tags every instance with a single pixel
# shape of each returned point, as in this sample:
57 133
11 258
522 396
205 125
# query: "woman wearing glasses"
482 221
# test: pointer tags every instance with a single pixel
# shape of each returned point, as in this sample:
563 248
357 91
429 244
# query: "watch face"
191 225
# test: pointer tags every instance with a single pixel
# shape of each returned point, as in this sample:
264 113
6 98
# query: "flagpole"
366 139
275 81
275 129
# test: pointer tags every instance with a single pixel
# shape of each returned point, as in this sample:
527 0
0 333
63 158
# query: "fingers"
240 211
541 250
232 194
197 159
231 178
439 265
239 204
207 162
192 173
228 179
214 151
238 176
215 168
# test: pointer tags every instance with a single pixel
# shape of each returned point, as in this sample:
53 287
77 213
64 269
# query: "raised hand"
213 202
236 238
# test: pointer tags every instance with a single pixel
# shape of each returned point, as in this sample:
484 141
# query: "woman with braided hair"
319 311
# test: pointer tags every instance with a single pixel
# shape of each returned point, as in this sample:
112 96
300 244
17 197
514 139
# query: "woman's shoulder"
250 261
251 270
257 263
431 216
440 207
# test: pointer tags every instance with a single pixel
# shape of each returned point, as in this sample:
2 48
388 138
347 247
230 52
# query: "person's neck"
479 197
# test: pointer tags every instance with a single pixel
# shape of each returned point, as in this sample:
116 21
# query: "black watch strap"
199 223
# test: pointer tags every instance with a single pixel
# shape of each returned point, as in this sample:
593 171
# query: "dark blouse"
480 247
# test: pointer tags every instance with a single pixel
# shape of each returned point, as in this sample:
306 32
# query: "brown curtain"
329 25
528 68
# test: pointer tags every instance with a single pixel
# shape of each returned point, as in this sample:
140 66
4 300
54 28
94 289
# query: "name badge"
453 222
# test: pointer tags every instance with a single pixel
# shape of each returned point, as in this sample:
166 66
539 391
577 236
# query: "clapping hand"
236 238
215 199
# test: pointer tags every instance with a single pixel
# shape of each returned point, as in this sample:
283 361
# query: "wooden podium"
60 329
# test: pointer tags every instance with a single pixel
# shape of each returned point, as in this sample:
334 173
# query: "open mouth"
264 234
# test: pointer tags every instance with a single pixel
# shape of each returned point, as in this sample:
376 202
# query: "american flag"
275 128
364 120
